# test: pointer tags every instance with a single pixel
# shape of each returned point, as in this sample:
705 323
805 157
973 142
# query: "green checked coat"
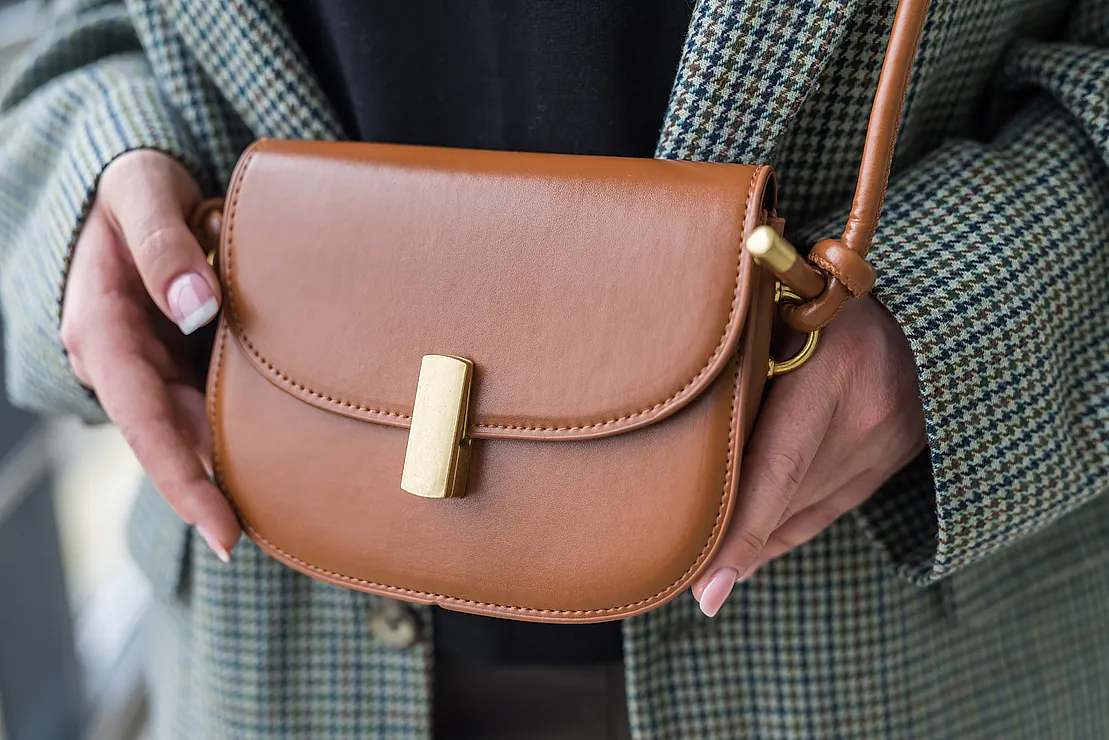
968 599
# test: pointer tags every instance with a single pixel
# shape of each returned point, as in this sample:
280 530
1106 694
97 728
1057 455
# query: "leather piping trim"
586 429
840 275
723 515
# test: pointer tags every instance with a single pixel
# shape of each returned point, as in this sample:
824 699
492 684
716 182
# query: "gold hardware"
770 248
775 367
438 455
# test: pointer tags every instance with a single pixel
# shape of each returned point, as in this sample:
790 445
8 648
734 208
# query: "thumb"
148 196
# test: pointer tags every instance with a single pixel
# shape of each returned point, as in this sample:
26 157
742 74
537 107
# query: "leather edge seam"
727 495
723 511
394 418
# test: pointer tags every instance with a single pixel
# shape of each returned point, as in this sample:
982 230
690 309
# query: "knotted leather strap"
844 259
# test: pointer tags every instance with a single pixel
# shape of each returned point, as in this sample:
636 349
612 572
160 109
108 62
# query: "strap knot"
850 276
845 265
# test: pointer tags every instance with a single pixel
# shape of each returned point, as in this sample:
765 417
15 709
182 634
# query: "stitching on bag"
240 332
729 472
840 275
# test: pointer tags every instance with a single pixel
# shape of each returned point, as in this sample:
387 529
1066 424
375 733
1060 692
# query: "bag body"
512 384
618 333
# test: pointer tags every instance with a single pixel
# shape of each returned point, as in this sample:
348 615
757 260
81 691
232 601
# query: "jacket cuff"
54 147
1003 306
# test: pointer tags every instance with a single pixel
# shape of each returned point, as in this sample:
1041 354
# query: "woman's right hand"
139 284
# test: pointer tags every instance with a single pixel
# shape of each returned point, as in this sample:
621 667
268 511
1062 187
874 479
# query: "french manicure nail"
191 302
220 551
716 593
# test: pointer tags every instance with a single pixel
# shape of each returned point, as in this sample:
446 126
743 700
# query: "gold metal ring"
776 367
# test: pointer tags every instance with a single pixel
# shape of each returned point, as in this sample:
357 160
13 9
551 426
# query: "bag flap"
593 294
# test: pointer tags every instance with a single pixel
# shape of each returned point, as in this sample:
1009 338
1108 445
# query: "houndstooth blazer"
966 600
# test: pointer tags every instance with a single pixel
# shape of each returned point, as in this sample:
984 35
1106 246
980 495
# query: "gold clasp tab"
437 459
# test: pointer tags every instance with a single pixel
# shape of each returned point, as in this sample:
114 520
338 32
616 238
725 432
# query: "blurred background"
71 601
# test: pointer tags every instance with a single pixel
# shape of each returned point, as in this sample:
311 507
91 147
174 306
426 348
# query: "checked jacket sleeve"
992 257
84 95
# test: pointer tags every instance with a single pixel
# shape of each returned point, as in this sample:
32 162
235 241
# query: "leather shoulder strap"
844 259
885 120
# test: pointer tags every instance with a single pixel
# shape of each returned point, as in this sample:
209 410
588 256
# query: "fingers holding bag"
826 439
135 259
148 197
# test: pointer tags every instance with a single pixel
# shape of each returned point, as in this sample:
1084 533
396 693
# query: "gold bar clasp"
437 459
770 249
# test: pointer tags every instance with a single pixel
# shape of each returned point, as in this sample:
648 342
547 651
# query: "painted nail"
220 551
716 593
191 302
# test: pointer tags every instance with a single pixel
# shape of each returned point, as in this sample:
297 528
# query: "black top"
572 77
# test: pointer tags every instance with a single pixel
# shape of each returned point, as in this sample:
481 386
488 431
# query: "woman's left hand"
827 437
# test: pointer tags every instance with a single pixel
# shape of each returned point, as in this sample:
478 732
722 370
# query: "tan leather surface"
848 267
206 222
621 281
605 300
850 275
885 120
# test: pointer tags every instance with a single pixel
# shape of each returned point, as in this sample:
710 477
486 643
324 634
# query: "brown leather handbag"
510 384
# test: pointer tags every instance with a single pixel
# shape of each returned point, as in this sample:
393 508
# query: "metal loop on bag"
782 294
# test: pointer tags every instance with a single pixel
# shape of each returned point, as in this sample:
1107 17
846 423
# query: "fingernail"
220 551
191 302
714 595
